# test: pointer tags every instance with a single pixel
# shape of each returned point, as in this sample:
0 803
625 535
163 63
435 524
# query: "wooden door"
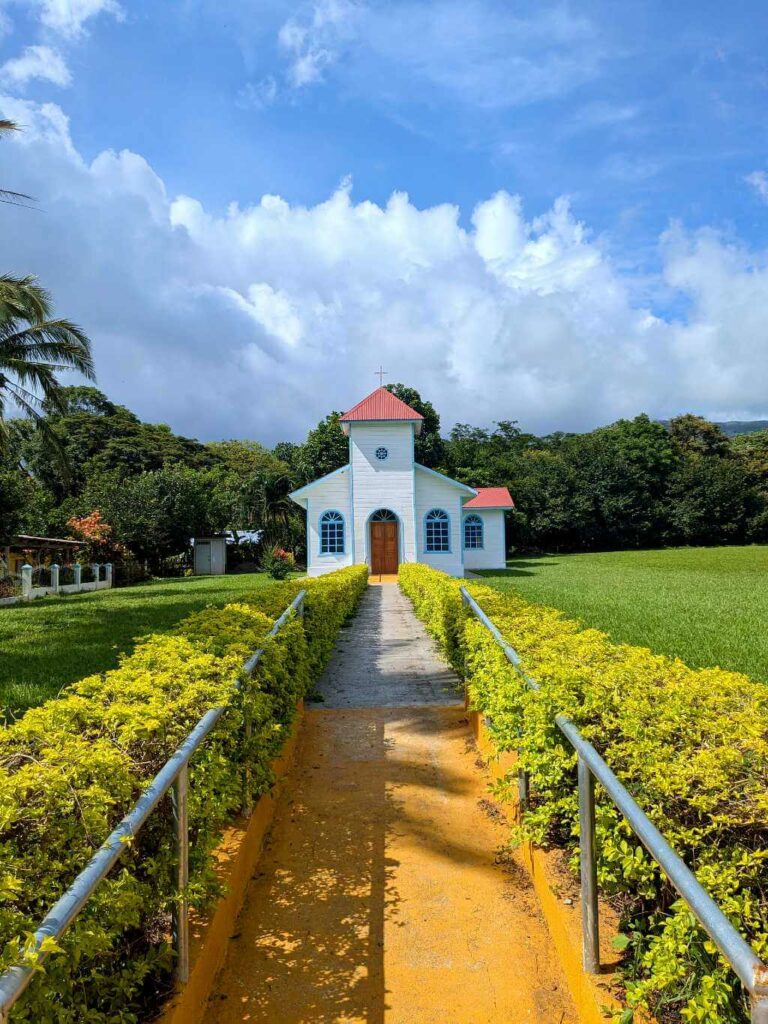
384 548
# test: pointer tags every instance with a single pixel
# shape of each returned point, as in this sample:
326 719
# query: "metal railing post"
523 788
181 909
247 733
589 909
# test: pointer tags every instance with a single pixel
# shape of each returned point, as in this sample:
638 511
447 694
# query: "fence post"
55 578
77 569
26 581
108 569
95 567
759 1005
589 912
181 908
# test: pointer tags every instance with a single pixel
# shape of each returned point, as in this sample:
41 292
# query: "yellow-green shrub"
70 769
691 746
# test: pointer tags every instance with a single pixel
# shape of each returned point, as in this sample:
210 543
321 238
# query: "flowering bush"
690 745
277 562
98 535
70 770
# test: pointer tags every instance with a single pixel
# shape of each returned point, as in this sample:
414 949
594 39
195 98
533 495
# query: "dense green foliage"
72 768
634 484
689 744
707 606
48 644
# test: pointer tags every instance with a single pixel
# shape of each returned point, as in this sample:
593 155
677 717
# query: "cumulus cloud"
40 62
259 321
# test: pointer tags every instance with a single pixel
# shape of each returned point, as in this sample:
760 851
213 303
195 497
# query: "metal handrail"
174 773
746 964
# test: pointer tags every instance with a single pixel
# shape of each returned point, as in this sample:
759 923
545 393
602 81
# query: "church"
383 508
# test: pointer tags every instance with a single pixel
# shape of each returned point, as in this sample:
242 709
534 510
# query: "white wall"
432 492
331 494
387 484
493 553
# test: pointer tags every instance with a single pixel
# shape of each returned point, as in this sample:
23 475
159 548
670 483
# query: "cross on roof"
381 373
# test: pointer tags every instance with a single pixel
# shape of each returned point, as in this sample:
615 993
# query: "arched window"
331 533
437 531
473 532
383 515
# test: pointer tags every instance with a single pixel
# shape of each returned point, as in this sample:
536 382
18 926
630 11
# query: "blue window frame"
331 533
473 532
437 529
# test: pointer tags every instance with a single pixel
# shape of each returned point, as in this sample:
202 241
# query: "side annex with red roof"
384 508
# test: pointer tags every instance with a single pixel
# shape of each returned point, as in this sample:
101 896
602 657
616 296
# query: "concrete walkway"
383 896
385 658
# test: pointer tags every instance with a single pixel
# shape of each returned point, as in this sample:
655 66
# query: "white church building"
383 508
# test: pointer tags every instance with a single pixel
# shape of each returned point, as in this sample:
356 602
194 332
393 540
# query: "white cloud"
313 42
68 17
41 62
478 53
759 182
258 95
258 322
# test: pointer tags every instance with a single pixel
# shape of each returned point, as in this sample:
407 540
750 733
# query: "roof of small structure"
381 405
28 541
491 497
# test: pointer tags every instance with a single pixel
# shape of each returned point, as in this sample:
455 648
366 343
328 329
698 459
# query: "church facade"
383 508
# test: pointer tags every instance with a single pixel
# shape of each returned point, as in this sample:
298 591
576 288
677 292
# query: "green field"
54 641
709 606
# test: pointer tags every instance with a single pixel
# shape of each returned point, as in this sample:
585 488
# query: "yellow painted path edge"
595 996
237 855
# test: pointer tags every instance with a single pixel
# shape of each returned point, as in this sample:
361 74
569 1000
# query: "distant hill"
734 427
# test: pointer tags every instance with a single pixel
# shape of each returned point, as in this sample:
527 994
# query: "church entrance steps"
383 895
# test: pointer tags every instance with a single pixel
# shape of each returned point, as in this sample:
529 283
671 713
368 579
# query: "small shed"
210 555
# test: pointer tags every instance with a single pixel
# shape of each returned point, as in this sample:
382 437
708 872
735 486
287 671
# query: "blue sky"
583 235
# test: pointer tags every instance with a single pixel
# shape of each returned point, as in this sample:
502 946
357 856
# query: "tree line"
635 483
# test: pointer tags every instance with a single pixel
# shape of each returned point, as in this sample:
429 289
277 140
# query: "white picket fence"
102 580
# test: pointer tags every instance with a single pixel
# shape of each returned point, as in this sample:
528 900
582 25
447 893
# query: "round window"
381 454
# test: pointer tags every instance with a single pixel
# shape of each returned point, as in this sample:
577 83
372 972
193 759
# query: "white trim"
487 508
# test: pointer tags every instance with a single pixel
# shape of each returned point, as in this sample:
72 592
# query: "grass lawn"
709 606
54 641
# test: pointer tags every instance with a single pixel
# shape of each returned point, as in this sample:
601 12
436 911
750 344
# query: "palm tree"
33 348
6 127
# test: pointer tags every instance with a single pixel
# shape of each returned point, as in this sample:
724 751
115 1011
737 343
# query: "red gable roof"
381 405
491 497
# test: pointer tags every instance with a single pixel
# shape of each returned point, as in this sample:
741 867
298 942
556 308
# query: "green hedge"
70 769
690 745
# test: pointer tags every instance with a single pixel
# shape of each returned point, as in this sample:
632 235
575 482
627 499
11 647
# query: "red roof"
381 405
491 497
